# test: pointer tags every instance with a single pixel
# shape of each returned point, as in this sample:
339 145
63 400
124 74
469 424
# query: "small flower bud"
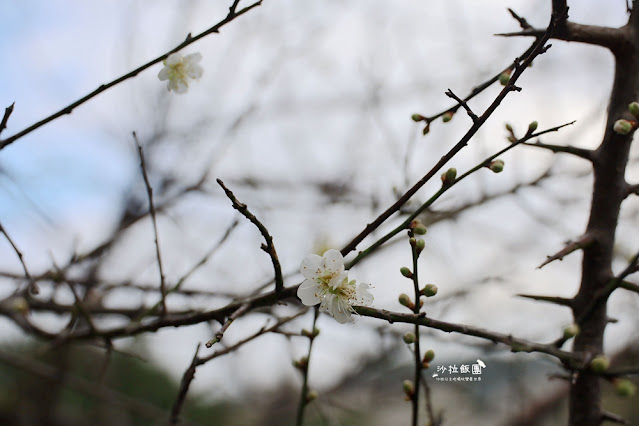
634 109
20 305
496 166
409 337
307 333
404 300
429 355
406 272
426 129
425 365
420 245
512 138
504 77
623 127
509 127
408 387
448 177
571 331
420 229
412 241
311 395
447 116
599 364
532 127
430 290
625 387
417 118
301 363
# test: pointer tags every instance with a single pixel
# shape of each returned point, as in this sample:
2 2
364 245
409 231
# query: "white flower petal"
333 260
164 74
173 59
194 71
338 280
193 57
311 267
309 293
364 297
339 309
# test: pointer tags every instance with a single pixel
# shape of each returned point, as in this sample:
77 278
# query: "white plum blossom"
178 68
326 282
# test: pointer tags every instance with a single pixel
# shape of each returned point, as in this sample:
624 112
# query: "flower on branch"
326 282
178 68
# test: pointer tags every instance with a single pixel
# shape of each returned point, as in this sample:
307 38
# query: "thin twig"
33 287
185 383
189 40
7 113
578 244
149 192
303 366
269 247
463 103
220 333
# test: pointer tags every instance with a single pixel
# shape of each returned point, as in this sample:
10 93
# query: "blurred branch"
33 287
80 384
149 191
233 13
586 154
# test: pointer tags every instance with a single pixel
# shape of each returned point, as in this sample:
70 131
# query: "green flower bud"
429 355
634 109
406 272
408 387
409 337
420 229
623 127
412 241
504 77
311 395
426 129
532 127
306 333
301 363
448 177
417 118
571 331
509 127
404 300
420 245
496 166
447 116
599 364
625 387
430 290
512 139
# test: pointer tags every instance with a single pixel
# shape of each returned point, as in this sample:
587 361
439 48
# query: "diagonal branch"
269 247
189 40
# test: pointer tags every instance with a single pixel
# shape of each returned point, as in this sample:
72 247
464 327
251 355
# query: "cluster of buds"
624 127
417 118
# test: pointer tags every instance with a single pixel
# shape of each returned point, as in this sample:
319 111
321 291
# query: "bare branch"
269 247
149 192
189 40
33 287
7 113
582 242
